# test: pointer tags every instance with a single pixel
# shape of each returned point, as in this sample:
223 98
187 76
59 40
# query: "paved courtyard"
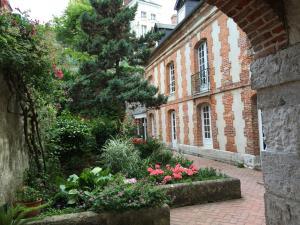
246 211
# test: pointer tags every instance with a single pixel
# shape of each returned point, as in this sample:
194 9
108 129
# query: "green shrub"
120 197
151 145
161 156
28 194
103 129
180 159
120 155
70 136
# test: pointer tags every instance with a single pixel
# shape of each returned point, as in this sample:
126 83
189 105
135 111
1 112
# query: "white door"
206 127
203 67
153 133
173 129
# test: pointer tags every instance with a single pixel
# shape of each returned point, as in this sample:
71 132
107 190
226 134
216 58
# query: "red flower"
59 74
157 166
167 179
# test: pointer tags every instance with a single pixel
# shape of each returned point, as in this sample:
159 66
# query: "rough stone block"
282 174
281 211
282 128
282 67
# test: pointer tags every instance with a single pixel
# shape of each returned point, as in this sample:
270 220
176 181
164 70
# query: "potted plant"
29 197
13 215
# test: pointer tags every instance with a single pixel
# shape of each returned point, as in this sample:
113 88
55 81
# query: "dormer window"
153 17
185 7
143 14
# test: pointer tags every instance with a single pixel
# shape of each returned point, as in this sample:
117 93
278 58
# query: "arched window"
172 78
203 75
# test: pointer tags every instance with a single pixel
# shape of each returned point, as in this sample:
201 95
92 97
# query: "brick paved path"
246 211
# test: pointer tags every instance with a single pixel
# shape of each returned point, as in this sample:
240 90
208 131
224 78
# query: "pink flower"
131 181
150 170
167 179
178 169
157 166
194 168
168 167
177 176
157 172
190 172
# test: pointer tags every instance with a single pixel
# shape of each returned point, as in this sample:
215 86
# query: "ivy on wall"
25 64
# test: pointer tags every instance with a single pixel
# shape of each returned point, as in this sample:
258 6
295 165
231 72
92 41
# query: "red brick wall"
167 53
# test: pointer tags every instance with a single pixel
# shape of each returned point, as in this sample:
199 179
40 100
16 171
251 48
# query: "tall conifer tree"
115 75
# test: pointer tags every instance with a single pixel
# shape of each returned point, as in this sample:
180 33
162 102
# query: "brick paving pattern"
246 211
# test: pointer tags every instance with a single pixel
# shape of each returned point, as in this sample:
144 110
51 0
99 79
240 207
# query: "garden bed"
199 192
152 216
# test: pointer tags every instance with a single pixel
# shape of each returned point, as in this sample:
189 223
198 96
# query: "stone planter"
200 192
152 216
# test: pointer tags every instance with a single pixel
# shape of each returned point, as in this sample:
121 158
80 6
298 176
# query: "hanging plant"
26 67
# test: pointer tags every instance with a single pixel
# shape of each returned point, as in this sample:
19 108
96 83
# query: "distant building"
148 13
203 66
4 4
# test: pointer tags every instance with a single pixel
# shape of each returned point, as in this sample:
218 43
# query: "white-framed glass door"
173 129
153 133
206 126
203 67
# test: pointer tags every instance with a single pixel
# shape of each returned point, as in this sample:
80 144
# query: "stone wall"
277 78
150 216
13 159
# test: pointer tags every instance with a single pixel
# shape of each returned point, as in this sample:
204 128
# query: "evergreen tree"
115 75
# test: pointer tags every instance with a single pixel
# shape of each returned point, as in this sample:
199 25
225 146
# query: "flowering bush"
171 174
138 141
179 174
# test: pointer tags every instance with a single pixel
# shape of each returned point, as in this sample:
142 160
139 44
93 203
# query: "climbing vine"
26 67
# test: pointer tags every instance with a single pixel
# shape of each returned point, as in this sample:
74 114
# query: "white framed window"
153 16
144 30
172 78
143 14
203 67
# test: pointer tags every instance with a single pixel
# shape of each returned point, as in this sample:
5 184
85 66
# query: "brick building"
204 68
4 4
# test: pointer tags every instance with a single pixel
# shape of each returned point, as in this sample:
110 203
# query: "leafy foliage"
68 28
119 155
78 189
28 194
13 215
122 196
70 135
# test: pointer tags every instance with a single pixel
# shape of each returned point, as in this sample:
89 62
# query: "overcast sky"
43 10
